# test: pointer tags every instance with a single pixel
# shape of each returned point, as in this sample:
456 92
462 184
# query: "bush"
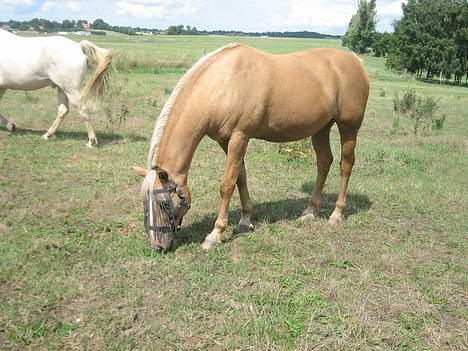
116 113
420 110
98 32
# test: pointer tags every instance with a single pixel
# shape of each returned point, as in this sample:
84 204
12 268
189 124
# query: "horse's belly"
291 127
24 83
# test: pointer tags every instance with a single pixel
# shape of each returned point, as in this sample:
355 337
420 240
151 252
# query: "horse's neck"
178 146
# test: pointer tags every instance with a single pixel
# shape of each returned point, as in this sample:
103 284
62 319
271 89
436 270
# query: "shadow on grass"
436 81
275 211
104 138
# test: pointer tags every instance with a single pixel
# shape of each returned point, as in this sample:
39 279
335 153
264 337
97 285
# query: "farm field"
76 271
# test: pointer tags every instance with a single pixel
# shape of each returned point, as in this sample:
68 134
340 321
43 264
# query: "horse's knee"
226 190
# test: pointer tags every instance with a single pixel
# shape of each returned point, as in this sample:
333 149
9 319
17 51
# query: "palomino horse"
34 63
237 93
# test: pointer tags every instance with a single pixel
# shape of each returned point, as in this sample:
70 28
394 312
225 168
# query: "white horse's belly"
25 84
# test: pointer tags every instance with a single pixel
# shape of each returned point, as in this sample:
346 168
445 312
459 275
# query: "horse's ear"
142 172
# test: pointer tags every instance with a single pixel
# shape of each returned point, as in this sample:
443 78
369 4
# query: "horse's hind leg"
75 100
321 144
348 135
3 121
63 108
245 223
236 151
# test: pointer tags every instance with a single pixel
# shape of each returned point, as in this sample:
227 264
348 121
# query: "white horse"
34 63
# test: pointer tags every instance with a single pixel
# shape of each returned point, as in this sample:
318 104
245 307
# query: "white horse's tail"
98 83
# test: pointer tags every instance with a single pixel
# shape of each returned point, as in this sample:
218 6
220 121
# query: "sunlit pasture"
76 271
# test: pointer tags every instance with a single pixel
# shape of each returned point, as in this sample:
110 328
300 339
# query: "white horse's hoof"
335 219
45 136
209 244
92 143
307 217
11 127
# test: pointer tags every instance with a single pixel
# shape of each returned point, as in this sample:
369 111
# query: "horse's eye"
165 205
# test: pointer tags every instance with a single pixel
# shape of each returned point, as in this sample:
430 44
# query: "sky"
330 17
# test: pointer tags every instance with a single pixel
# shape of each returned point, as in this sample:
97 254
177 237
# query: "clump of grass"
420 110
30 98
128 62
382 93
298 150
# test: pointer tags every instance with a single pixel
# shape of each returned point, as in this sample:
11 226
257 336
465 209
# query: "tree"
361 30
432 39
381 44
100 24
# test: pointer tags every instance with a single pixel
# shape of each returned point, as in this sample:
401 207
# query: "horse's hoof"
335 219
244 228
45 136
92 143
209 244
11 127
307 217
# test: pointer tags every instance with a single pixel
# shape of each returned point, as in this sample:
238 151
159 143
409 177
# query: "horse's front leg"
236 150
245 223
10 126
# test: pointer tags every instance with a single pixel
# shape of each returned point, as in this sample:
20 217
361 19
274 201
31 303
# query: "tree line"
43 25
430 40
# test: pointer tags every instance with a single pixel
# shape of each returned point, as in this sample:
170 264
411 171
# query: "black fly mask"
162 217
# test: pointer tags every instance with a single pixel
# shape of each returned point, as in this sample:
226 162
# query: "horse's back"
283 97
34 62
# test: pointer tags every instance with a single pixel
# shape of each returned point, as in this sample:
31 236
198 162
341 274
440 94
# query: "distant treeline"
431 39
188 30
43 25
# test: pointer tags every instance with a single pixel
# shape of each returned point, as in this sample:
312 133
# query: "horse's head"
165 205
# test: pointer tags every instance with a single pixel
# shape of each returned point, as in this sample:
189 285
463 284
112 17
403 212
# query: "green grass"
76 271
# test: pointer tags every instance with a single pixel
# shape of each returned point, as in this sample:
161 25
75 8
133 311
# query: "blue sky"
323 16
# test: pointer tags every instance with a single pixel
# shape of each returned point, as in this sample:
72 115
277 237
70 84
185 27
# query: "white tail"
98 83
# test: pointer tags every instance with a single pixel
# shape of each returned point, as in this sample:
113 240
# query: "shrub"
116 116
420 110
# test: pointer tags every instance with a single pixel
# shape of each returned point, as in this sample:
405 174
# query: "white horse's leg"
3 121
92 139
63 108
84 114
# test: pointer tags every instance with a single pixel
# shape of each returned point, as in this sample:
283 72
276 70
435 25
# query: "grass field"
76 271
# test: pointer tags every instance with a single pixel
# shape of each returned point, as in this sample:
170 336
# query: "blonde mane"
161 122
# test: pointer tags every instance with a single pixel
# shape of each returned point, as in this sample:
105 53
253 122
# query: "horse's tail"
99 81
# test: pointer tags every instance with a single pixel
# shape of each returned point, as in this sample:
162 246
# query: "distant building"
144 33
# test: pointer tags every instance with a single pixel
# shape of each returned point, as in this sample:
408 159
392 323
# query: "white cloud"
17 2
157 8
48 5
323 14
390 8
73 6
317 14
